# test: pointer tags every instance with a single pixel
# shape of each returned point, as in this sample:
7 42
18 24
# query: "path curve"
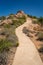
26 53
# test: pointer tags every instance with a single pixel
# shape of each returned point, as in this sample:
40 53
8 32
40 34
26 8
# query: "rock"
20 14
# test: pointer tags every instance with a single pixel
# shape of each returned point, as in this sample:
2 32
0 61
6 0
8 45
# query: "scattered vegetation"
40 36
40 20
2 18
34 17
11 39
35 22
10 17
36 33
3 59
8 31
27 32
7 26
18 22
4 45
29 16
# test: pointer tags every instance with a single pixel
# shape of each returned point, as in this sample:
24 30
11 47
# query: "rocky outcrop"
20 14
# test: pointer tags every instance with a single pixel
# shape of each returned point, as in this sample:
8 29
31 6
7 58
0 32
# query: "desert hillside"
35 32
8 39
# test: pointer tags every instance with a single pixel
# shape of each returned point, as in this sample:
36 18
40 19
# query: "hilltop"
8 19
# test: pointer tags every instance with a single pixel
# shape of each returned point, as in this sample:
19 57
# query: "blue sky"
32 7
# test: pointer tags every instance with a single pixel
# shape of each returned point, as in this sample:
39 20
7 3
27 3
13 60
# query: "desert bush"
35 22
34 17
40 36
10 17
23 17
6 44
17 44
25 30
40 20
15 23
37 28
4 32
2 18
41 49
18 22
29 16
3 59
7 25
11 14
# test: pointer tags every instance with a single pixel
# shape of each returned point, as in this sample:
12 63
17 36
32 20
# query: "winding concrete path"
26 53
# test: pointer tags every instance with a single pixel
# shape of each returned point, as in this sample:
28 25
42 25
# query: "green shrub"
34 17
7 26
29 16
11 39
18 22
5 45
41 21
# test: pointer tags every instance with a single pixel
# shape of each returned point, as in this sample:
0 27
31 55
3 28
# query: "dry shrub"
40 36
37 28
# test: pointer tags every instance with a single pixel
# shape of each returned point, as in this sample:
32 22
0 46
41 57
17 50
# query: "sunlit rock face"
20 14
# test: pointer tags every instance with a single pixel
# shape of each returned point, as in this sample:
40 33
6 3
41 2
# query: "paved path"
26 53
